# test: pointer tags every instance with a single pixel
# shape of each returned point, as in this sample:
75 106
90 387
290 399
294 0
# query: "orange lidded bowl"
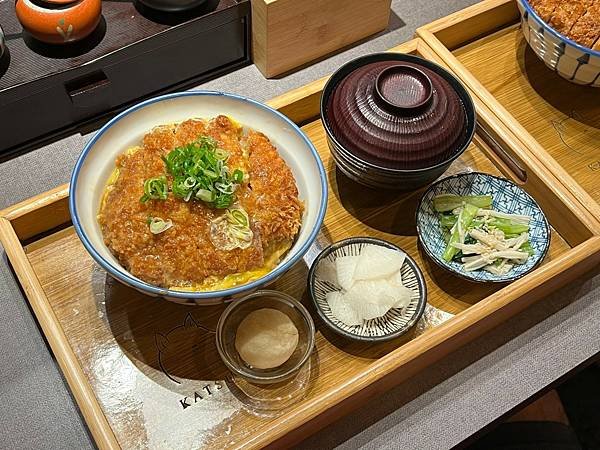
59 21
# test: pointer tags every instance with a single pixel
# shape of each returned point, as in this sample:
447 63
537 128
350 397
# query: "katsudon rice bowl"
198 196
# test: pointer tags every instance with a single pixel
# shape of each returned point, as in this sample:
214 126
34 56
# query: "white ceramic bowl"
566 57
97 161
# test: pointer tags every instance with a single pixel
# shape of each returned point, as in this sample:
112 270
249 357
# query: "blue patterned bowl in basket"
507 198
566 57
396 322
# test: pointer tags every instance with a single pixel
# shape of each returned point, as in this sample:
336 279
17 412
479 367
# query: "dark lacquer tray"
46 91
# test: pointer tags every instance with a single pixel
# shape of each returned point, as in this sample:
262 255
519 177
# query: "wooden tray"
107 338
556 120
78 84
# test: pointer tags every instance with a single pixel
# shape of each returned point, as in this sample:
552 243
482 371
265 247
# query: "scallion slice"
189 182
205 195
158 225
238 176
225 188
221 153
155 189
238 217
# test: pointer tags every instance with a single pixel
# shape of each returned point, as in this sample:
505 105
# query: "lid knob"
403 89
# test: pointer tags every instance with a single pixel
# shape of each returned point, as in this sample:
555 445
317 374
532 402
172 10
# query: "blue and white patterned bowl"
507 197
396 322
566 57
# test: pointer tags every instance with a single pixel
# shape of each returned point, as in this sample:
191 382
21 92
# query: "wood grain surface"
557 120
289 33
563 117
146 373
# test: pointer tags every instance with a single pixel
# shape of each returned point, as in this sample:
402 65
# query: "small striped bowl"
396 322
570 60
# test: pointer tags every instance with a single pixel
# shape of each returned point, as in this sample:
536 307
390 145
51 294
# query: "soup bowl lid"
396 114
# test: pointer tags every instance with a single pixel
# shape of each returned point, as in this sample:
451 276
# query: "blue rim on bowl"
396 322
569 59
507 195
135 282
555 33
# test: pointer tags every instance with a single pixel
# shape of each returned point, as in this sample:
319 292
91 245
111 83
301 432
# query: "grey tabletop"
439 408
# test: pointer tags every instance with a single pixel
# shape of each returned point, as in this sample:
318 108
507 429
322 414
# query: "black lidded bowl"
174 6
396 121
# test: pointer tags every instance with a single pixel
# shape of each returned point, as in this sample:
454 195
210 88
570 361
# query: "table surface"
439 408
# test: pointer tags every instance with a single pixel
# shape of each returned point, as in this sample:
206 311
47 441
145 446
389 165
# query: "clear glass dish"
239 309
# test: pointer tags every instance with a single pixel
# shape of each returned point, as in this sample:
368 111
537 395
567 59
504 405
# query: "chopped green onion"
210 173
205 195
232 229
200 172
225 188
239 223
155 189
223 201
189 182
238 217
238 176
158 225
221 153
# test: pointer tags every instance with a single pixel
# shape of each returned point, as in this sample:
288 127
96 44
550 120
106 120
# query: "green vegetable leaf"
526 247
448 202
464 220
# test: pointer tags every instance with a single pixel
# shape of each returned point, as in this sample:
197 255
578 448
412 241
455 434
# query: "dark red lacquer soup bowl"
396 121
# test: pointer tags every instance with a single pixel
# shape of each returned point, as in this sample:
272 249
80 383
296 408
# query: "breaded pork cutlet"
567 14
273 199
545 8
586 30
184 254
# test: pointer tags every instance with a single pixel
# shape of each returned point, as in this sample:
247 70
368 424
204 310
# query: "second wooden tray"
556 120
146 375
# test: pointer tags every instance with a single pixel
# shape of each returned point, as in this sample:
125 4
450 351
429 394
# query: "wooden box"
133 54
558 121
289 33
146 375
